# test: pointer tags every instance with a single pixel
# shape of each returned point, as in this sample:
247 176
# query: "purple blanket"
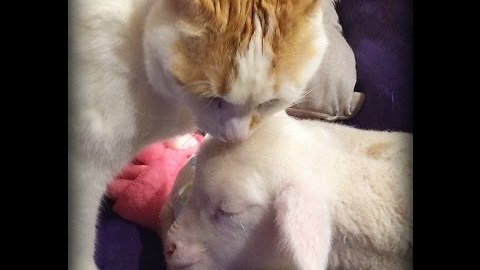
380 33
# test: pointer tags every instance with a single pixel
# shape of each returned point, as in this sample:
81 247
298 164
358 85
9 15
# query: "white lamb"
296 195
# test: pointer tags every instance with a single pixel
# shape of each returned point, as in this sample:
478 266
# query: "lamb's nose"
179 255
170 249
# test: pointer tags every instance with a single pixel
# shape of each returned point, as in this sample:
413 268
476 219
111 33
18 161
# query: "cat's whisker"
300 100
242 225
308 92
303 97
210 100
296 102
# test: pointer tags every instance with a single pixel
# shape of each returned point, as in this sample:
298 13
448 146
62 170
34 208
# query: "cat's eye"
267 104
215 102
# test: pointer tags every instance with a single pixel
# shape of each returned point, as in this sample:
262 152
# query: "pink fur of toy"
142 187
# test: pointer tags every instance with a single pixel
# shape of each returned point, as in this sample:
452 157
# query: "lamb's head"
243 213
225 222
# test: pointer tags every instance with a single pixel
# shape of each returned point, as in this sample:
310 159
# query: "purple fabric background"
380 33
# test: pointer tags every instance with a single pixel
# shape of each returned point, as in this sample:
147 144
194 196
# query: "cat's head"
234 62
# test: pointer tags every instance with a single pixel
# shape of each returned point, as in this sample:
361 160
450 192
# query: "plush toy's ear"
303 221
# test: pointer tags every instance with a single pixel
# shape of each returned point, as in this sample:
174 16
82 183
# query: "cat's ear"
303 221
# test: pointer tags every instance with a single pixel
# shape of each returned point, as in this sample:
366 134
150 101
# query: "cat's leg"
82 237
86 188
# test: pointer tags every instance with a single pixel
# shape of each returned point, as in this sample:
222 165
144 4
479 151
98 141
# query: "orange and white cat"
144 70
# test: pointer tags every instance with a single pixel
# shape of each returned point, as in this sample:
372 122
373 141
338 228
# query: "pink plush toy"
143 186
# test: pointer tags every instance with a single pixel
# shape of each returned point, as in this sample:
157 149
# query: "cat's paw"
182 142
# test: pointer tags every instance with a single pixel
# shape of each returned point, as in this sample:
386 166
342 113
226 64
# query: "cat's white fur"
113 110
121 98
304 192
253 69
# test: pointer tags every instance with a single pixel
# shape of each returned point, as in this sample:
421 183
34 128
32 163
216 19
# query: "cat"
154 69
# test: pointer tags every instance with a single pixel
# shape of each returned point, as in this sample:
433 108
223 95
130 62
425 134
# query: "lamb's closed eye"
224 210
220 213
232 214
238 220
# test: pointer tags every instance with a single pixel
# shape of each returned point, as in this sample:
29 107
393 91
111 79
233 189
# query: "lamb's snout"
180 254
170 249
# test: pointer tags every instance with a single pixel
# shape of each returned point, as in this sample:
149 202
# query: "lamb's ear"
303 222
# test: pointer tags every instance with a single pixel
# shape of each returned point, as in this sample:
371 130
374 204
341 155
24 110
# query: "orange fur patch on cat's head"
249 44
234 62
